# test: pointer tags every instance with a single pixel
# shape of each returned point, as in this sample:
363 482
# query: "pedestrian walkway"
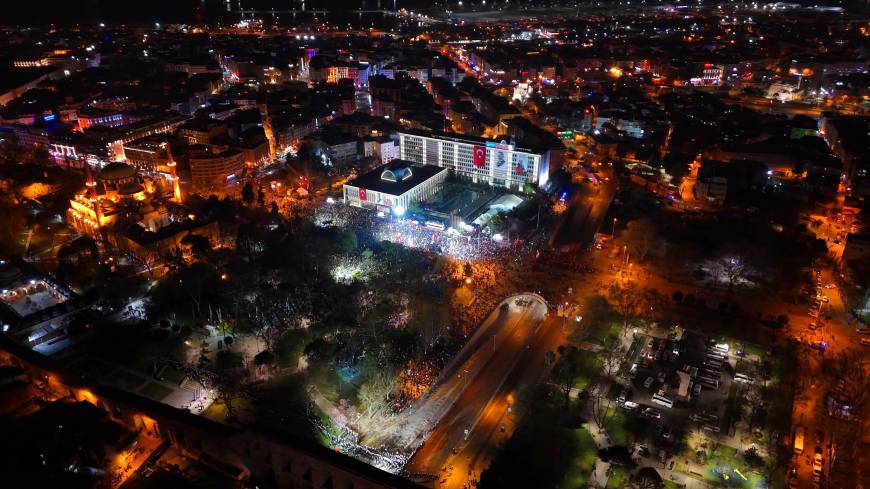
683 479
599 475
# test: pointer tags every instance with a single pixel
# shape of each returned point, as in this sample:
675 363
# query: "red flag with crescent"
479 156
362 194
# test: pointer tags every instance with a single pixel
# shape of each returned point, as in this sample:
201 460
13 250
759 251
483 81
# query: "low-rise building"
394 186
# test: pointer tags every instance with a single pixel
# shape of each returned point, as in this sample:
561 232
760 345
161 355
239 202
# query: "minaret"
173 174
91 186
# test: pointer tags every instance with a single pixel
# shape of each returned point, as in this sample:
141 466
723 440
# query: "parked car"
629 406
623 396
652 413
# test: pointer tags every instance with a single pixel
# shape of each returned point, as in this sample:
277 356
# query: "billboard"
521 164
501 159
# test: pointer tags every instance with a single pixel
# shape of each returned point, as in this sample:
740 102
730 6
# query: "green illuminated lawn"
726 467
616 429
619 478
581 466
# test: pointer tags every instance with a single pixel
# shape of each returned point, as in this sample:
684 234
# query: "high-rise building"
499 163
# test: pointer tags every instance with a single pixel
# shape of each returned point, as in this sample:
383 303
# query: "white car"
629 405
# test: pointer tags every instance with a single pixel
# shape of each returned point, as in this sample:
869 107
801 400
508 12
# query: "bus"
799 440
662 401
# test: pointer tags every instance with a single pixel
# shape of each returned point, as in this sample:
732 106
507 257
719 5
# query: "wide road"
457 456
497 343
584 216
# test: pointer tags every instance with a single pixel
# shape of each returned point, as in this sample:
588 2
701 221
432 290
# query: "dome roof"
117 171
130 188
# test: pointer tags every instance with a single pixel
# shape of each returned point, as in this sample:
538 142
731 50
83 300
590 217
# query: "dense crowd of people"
410 232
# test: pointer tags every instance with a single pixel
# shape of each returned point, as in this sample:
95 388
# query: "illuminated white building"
394 186
493 162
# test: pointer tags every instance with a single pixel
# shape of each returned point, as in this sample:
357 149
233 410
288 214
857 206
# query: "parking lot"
696 405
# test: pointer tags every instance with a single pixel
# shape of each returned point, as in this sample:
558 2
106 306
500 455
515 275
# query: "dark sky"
35 12
39 12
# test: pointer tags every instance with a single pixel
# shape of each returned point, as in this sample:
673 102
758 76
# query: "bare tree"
626 300
567 370
733 268
228 386
145 261
640 236
374 394
273 312
601 407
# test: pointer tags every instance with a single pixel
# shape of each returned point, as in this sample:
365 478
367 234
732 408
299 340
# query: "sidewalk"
599 474
683 479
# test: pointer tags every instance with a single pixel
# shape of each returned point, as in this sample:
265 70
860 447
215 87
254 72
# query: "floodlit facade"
394 186
497 163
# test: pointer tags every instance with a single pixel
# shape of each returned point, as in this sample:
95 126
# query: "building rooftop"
464 138
396 177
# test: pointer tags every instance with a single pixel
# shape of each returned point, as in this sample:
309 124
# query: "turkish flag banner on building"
362 194
479 156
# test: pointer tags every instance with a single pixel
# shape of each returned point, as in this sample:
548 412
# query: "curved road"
498 340
464 441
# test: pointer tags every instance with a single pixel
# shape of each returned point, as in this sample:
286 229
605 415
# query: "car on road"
814 326
652 413
865 341
648 382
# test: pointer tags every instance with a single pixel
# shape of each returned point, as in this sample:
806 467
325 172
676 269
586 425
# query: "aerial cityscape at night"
446 244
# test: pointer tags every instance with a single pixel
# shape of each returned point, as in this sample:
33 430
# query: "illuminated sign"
503 145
